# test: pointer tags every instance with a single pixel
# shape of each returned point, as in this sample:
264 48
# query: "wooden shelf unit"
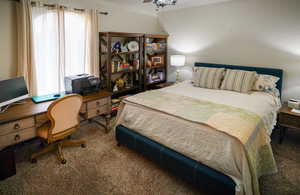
155 38
107 39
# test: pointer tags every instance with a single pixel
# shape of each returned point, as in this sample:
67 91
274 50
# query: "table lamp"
177 60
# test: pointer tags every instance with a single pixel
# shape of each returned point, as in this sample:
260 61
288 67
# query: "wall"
263 33
119 19
8 39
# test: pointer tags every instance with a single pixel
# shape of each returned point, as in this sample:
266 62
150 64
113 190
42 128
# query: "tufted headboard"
259 70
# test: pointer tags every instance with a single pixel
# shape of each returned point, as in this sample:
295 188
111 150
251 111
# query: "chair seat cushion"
44 130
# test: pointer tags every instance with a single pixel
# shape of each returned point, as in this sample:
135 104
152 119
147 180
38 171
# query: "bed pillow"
208 77
239 80
265 82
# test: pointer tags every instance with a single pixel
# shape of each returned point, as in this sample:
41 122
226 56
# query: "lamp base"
177 76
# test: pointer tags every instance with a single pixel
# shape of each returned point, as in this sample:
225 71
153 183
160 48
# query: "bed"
157 125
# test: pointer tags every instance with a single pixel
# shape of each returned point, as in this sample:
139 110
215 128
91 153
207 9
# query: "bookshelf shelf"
121 53
124 71
153 67
156 83
125 90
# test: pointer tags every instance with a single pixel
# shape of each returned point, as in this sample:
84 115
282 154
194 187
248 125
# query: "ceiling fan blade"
147 1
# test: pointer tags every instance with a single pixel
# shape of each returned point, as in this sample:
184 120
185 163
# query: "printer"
82 84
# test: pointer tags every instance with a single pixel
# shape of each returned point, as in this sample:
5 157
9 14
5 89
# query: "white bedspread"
200 142
263 104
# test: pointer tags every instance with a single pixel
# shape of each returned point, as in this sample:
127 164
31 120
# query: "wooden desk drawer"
97 111
14 138
16 126
289 120
97 103
41 119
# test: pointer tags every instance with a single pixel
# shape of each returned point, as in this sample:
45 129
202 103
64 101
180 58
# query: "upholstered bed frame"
190 170
270 71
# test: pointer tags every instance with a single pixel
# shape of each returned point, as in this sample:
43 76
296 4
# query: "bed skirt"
208 179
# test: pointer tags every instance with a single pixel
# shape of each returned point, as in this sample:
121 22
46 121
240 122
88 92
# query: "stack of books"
115 104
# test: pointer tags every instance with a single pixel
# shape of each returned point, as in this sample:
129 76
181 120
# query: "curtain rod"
53 5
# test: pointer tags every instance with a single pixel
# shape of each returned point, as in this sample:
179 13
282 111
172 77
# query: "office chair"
63 114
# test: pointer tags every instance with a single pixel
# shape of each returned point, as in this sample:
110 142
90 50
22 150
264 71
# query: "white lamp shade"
177 60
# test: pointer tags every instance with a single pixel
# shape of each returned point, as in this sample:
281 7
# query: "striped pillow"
208 77
239 80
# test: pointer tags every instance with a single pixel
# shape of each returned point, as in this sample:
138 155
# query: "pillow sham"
265 82
210 78
239 80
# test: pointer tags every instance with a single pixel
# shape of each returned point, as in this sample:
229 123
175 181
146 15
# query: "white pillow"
265 82
239 80
210 78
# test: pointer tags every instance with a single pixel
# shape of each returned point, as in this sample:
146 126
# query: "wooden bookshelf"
161 41
112 62
139 75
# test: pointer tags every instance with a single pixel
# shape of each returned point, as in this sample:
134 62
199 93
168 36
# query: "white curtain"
93 39
64 43
26 63
46 39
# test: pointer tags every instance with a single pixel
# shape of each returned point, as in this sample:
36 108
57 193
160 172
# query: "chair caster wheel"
33 160
83 145
63 161
42 144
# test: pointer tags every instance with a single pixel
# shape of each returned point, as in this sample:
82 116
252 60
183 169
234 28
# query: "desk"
19 122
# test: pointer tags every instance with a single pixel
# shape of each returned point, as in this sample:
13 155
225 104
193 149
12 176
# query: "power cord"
4 108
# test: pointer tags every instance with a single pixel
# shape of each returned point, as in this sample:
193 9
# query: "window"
60 46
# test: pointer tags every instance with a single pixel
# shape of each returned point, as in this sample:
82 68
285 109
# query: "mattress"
203 143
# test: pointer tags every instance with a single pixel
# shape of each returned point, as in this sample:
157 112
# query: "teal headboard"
259 70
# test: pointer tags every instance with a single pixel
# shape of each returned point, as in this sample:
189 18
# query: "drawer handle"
98 111
98 103
17 126
17 137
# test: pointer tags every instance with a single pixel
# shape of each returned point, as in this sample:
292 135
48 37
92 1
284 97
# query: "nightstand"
287 119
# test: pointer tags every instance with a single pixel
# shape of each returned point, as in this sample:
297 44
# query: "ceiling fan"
161 3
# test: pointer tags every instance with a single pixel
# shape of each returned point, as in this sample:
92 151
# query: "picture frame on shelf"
157 60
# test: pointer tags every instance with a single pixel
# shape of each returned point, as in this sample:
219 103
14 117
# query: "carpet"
104 168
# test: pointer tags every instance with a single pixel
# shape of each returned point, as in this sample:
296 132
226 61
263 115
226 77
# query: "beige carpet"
104 168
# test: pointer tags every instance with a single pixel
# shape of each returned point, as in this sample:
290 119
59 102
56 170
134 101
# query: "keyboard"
48 97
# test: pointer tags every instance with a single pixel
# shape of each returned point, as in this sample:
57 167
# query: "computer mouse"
57 95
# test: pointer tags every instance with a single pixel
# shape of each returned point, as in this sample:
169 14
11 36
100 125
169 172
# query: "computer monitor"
12 90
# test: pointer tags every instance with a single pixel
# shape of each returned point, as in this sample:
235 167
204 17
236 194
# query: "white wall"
8 39
119 19
262 33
